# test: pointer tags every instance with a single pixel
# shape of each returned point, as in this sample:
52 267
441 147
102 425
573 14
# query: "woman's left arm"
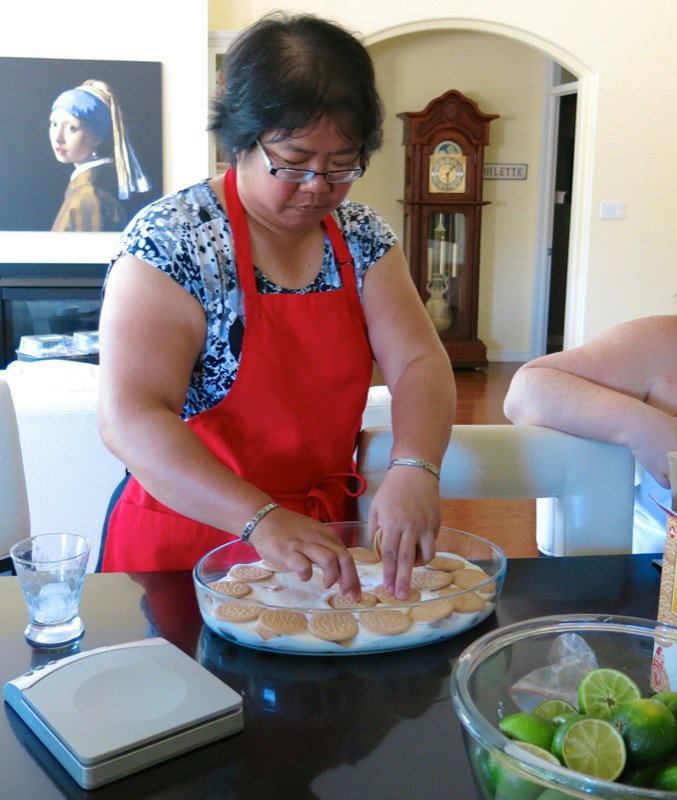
417 370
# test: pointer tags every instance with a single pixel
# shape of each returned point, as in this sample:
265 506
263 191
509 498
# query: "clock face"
447 173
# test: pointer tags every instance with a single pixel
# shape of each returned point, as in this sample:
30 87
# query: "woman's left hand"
407 509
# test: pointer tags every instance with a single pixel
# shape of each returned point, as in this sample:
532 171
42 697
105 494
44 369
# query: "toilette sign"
505 172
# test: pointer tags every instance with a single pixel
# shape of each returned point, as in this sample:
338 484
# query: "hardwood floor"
509 523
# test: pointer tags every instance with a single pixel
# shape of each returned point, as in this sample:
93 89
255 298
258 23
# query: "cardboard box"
664 668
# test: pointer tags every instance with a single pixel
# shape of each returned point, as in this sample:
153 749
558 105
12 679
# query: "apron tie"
327 493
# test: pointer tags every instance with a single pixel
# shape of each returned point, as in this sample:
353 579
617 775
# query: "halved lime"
550 709
602 691
525 727
594 747
562 728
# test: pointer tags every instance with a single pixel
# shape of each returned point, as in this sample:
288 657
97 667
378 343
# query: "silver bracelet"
254 521
428 466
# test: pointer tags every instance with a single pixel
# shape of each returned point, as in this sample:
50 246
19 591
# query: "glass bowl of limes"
571 706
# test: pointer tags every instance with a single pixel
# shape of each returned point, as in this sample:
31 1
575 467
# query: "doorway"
561 222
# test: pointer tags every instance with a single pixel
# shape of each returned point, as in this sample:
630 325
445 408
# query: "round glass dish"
244 600
483 691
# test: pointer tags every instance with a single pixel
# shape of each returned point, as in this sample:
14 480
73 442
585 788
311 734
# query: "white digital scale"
109 712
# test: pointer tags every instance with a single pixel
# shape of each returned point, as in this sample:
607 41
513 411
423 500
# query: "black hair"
285 73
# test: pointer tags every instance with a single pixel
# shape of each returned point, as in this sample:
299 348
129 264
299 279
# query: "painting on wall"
80 143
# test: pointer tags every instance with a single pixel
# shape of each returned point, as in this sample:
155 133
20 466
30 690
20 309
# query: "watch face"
447 173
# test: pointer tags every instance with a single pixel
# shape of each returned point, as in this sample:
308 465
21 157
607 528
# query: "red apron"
289 423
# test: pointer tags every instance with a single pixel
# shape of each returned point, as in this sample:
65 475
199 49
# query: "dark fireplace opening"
45 300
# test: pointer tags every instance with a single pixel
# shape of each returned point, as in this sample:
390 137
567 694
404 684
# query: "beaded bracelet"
254 521
428 466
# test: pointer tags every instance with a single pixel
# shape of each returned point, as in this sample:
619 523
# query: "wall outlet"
612 210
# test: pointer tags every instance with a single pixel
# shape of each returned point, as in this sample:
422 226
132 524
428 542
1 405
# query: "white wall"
127 31
623 51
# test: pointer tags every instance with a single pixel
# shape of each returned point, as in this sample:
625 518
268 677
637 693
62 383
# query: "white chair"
70 474
588 484
14 516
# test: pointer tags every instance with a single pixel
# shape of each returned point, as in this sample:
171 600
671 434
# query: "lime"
558 738
602 690
666 778
525 727
551 709
594 747
509 783
648 729
640 777
668 699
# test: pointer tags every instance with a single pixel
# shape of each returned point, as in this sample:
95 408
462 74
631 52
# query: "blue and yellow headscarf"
94 104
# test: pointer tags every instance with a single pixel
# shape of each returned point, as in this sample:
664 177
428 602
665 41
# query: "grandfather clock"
444 150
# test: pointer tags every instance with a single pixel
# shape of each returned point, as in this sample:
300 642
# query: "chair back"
586 486
14 516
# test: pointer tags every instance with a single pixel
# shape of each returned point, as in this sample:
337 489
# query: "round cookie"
432 610
447 564
233 611
333 626
430 579
283 621
376 544
470 578
248 573
231 588
384 596
337 600
363 556
469 602
385 621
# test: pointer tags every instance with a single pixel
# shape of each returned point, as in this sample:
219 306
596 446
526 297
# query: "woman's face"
72 141
296 207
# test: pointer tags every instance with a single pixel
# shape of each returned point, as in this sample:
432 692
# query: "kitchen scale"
109 712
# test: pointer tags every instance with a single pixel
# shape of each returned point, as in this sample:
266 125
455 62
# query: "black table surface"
329 727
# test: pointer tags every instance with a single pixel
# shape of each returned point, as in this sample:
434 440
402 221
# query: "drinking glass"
51 571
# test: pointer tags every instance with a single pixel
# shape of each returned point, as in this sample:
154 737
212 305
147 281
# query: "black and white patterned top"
188 236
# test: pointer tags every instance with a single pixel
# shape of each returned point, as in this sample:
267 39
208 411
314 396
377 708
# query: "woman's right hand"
296 543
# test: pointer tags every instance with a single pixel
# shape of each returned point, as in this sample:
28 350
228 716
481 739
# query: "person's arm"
614 388
152 331
418 373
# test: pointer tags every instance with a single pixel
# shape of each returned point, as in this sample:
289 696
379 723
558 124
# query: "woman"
252 307
620 387
86 129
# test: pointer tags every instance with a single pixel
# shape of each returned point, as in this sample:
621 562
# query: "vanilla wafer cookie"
384 596
368 600
333 626
376 544
231 588
469 603
470 578
385 621
283 621
248 573
361 555
432 610
236 611
430 579
446 564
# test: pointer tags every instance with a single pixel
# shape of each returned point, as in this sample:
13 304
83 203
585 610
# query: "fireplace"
43 299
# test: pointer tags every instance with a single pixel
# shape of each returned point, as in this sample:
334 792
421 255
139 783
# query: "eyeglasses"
293 175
